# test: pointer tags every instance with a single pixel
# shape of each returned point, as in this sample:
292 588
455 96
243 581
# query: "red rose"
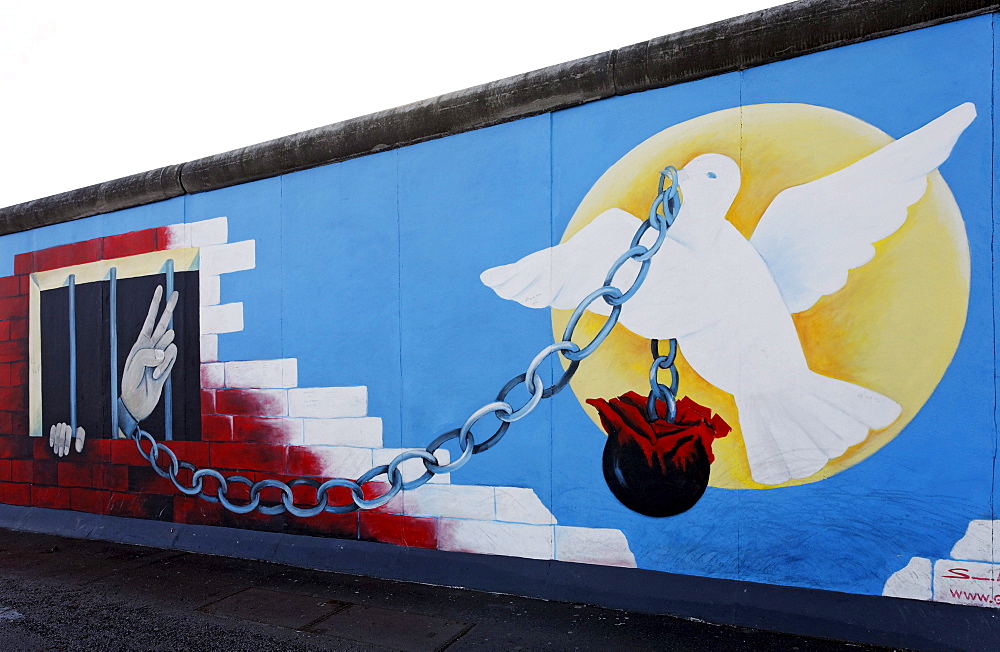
625 418
657 468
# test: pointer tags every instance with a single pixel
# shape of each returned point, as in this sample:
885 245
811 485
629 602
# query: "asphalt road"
71 594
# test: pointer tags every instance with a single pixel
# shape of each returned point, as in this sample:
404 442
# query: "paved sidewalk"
71 594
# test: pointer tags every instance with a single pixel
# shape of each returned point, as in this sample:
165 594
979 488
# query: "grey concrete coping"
755 39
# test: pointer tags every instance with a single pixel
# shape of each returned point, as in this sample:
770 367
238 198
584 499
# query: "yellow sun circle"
893 328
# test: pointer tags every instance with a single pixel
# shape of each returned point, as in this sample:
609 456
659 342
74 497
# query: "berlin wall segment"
769 293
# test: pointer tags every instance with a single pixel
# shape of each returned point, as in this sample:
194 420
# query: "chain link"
657 391
662 214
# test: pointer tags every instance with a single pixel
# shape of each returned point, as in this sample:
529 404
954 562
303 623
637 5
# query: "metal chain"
662 214
657 391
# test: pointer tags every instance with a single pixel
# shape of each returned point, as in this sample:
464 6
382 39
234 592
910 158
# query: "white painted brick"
912 581
328 402
980 543
213 375
519 505
297 435
451 500
343 461
178 236
208 232
209 290
355 431
495 538
396 505
593 546
284 431
967 582
413 469
262 373
209 348
226 258
225 318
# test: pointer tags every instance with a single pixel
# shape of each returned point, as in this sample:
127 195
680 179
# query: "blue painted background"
368 273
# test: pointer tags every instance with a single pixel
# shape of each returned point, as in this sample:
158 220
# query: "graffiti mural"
761 343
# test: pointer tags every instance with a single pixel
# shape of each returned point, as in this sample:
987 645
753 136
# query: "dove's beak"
682 176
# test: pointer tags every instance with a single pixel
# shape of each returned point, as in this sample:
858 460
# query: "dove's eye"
712 175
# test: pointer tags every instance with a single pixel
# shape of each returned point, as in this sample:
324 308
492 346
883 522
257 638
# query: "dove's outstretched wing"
561 276
812 235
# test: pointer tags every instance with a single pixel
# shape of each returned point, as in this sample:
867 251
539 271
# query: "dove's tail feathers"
793 432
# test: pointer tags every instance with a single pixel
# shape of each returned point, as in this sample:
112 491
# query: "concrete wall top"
746 41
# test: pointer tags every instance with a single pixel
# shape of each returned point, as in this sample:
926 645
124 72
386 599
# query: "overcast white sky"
91 91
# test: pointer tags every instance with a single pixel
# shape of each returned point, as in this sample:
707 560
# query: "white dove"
728 301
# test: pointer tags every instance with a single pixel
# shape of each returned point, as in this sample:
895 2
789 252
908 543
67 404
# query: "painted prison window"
93 339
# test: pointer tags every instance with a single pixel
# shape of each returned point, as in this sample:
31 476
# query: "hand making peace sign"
149 362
